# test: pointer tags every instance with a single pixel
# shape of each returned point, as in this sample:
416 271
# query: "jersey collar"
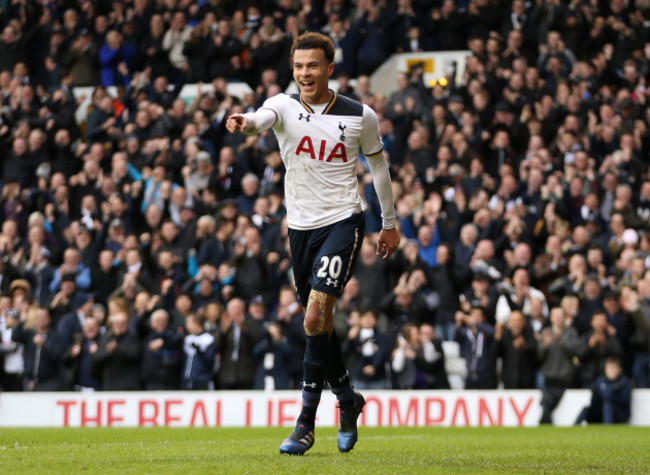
327 107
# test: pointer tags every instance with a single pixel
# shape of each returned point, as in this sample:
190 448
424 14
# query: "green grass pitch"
594 449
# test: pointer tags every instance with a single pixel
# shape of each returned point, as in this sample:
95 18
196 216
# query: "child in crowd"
199 348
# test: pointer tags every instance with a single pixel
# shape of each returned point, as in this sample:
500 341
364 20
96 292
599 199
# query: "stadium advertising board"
260 409
280 408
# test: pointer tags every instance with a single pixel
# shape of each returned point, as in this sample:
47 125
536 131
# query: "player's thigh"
302 258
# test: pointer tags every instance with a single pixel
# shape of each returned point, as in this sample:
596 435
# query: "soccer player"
320 135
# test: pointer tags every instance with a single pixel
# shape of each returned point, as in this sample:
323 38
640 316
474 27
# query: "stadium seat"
454 365
451 349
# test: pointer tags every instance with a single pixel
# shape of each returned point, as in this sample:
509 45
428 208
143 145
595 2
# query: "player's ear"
330 69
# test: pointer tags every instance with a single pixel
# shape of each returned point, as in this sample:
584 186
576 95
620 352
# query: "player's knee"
312 325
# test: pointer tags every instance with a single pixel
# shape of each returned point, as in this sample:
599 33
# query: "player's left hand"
387 242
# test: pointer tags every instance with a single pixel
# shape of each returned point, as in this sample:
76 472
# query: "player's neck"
323 99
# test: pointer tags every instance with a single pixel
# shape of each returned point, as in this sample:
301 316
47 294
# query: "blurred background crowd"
146 248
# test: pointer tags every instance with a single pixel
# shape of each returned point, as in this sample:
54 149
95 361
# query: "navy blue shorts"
323 259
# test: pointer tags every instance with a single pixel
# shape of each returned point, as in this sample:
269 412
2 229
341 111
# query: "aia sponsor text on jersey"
306 146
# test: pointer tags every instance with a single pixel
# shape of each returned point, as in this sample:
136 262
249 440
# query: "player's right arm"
372 146
252 123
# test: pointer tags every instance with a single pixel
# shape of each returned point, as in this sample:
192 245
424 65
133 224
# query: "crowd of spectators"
147 248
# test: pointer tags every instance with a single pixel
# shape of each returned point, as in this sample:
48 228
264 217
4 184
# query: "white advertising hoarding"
280 409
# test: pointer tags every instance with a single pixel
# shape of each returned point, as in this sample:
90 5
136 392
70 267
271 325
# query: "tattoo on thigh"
320 300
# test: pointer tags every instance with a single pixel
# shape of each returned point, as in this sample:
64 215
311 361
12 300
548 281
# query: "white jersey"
320 151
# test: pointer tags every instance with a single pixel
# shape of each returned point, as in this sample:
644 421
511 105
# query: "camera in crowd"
13 313
505 288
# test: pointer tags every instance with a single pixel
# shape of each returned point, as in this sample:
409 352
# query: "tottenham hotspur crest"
342 129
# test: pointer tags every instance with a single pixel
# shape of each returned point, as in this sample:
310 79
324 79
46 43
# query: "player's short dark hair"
312 40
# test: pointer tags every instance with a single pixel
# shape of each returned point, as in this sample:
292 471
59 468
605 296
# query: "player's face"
311 72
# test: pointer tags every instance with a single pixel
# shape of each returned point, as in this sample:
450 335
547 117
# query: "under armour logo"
333 282
309 385
304 116
342 129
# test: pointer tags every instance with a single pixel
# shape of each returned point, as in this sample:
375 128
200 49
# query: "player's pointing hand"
236 123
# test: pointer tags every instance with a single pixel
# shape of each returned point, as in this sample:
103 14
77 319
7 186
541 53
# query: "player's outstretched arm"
252 123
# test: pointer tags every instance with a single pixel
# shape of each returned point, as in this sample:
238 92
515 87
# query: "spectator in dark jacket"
62 303
161 356
448 25
64 159
205 242
44 350
517 349
221 248
194 49
73 322
9 49
102 126
273 353
235 345
253 274
151 48
118 358
77 360
430 359
38 269
444 280
477 347
18 167
370 34
595 347
82 59
223 54
611 397
104 275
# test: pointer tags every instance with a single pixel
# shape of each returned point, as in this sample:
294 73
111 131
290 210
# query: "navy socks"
316 356
336 374
323 361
